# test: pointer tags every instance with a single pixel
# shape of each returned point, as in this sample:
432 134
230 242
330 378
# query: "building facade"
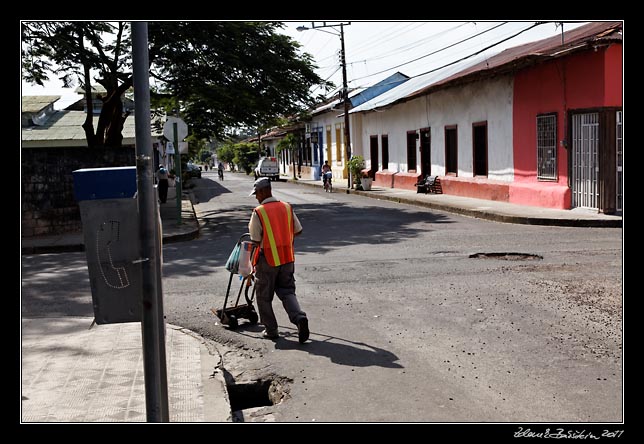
539 124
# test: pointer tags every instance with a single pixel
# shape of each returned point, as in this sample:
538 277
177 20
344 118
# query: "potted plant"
366 182
356 165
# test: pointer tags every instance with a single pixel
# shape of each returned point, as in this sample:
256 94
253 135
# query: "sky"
375 50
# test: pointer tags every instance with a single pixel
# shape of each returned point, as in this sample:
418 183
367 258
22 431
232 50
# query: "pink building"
567 121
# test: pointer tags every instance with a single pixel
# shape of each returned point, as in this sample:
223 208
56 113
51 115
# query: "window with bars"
547 147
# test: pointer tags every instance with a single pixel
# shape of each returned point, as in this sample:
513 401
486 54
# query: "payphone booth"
109 215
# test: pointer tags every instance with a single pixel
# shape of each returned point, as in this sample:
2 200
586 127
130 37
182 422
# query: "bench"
431 184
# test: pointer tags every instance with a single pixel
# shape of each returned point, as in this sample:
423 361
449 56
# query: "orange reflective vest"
278 232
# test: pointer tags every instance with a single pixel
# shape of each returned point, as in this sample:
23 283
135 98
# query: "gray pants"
276 280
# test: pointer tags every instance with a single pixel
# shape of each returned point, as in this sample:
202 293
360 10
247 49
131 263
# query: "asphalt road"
416 315
409 322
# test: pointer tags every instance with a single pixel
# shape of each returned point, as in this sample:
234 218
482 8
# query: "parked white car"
267 167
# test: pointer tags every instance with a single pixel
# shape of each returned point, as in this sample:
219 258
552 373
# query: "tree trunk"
88 125
112 119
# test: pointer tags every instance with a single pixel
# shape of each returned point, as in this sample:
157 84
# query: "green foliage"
73 50
356 165
246 156
216 75
195 146
204 155
230 74
289 143
226 153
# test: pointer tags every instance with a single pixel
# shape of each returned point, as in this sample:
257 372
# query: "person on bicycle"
326 172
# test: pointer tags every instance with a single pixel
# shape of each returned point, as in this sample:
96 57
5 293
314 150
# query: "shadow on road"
205 190
341 351
326 228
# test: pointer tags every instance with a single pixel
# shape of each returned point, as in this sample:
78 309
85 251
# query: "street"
416 315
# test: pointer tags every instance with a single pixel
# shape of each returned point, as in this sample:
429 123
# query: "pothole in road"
507 256
244 396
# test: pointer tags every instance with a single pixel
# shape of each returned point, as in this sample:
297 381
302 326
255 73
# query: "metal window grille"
547 147
620 177
585 167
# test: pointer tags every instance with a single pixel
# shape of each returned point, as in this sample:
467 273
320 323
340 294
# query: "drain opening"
507 256
247 395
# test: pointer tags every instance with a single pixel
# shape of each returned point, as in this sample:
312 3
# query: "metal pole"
345 95
177 166
152 323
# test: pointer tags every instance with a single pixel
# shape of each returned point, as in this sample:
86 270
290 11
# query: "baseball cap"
260 184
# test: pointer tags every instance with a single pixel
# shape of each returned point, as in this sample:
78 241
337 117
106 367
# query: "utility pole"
345 88
345 97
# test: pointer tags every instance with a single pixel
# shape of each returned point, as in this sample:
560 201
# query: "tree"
231 74
246 156
226 153
217 75
75 50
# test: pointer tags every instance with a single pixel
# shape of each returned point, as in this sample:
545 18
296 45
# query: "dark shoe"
271 335
303 330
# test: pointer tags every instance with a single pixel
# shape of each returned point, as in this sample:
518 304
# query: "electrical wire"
478 52
431 53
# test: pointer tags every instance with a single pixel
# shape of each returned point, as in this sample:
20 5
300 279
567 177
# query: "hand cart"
230 315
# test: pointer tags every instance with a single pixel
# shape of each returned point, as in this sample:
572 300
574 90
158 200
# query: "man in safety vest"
273 226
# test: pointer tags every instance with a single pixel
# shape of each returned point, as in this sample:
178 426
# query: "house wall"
489 100
587 80
48 203
614 75
330 118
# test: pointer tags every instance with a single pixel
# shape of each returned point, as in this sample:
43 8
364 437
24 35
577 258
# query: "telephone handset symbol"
107 236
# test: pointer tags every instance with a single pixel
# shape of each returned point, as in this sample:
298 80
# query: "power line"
432 53
479 51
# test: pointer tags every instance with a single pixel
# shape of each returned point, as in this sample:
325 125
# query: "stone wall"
48 203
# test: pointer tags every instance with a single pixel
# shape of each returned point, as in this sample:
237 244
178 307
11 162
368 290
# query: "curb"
486 215
169 238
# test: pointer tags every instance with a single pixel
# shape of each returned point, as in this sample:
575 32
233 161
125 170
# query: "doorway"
425 152
585 165
373 148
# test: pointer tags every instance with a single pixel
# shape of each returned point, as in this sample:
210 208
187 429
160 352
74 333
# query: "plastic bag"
245 267
232 264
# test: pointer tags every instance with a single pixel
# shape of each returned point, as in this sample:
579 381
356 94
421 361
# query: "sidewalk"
482 208
73 373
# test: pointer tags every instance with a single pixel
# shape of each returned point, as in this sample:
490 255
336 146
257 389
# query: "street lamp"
345 89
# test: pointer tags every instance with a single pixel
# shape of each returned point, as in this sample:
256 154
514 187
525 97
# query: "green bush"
356 165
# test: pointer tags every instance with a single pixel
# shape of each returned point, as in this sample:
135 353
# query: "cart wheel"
253 318
232 322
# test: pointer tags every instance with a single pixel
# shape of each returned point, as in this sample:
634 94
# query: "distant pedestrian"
162 177
273 226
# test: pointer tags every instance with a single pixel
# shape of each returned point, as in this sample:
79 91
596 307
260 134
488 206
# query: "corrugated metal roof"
34 104
64 128
364 94
504 61
414 84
